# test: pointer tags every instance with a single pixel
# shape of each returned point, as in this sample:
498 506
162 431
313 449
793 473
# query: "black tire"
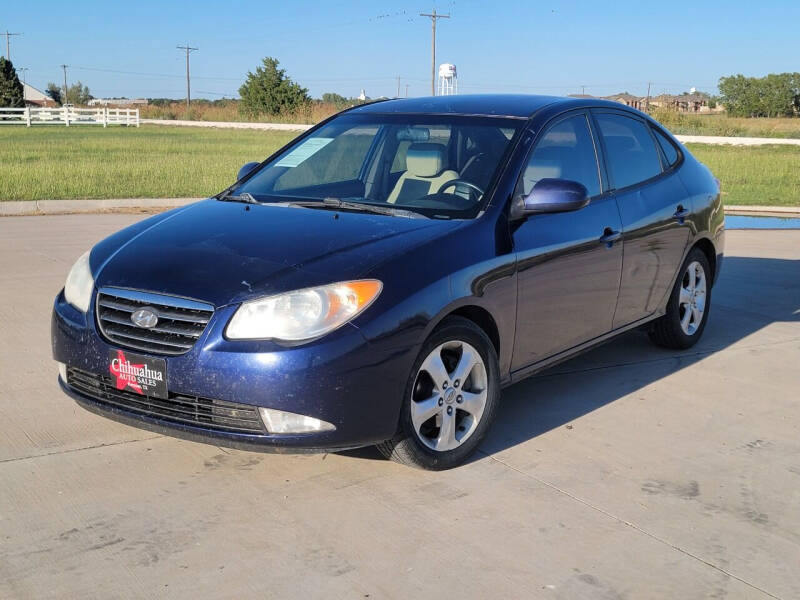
406 447
666 331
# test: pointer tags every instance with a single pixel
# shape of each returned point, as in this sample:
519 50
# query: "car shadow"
751 294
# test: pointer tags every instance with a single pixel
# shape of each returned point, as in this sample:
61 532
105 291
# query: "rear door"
654 208
569 263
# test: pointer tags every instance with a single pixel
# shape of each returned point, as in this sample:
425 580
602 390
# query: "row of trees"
77 94
776 95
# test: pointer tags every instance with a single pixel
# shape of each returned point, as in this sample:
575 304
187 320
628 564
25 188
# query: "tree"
12 94
776 95
270 91
78 94
54 92
334 98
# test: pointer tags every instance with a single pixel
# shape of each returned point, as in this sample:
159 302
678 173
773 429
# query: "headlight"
302 314
80 283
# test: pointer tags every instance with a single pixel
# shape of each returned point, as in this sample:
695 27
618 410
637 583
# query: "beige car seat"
425 173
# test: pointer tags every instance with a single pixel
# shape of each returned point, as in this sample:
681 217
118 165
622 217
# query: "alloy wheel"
449 396
692 298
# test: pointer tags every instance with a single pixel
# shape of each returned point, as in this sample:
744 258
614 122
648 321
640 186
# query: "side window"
630 151
670 152
565 151
336 162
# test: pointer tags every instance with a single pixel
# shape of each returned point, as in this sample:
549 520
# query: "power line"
8 35
433 16
188 50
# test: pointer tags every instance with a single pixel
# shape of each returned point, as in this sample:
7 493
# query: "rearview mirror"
245 170
552 196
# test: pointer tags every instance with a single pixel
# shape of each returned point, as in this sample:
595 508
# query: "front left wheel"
450 400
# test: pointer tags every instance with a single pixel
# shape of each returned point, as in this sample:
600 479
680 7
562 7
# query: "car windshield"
437 166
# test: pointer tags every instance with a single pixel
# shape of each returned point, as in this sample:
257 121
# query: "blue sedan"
383 276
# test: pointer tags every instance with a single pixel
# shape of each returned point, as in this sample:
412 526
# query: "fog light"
62 371
279 421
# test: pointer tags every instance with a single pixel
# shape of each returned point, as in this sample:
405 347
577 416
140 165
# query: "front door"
652 204
568 263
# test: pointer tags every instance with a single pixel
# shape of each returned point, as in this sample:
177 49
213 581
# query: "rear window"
667 147
630 151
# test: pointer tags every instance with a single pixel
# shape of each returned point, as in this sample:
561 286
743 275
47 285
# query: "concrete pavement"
630 472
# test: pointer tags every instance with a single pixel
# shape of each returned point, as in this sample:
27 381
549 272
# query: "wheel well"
483 319
711 254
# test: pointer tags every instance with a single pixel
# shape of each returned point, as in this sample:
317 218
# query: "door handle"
681 213
610 236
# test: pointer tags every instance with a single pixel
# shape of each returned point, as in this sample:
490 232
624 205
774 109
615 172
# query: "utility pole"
188 50
647 101
8 35
64 99
407 89
433 16
583 90
398 86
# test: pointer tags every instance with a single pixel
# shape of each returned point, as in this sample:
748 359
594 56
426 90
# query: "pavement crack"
630 524
71 450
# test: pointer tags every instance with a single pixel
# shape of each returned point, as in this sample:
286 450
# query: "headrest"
425 160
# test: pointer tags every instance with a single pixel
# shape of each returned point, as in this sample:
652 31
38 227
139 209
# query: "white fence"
69 116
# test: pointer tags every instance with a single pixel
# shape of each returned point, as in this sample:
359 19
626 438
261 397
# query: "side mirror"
245 170
552 196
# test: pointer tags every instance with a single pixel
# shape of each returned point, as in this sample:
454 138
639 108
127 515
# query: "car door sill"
525 372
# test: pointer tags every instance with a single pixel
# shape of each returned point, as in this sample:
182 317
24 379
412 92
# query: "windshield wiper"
245 197
339 204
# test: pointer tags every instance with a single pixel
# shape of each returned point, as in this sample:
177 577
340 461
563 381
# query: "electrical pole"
407 89
647 101
583 90
398 86
8 35
64 99
188 50
433 16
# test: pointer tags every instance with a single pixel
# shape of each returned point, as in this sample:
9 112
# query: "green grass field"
163 162
118 162
757 175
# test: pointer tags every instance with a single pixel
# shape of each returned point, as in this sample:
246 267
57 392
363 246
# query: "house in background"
688 102
628 100
34 97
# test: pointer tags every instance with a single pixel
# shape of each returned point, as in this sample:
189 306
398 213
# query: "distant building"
118 102
690 102
34 97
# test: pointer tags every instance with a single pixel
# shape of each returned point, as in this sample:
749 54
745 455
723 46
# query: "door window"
566 151
670 152
630 152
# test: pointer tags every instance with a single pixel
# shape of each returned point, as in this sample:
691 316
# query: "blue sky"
129 49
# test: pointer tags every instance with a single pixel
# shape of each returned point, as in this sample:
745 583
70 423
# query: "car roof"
496 105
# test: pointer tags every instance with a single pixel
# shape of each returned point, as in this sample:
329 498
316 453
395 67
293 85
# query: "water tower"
448 80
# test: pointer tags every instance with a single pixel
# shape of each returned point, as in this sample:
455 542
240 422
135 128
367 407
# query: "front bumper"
342 379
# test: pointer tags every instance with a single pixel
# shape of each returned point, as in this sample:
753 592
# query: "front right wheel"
450 400
688 305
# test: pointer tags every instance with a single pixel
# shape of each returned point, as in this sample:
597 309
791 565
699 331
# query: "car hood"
225 252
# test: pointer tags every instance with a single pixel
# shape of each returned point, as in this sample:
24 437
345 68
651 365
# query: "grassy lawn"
118 162
162 162
699 124
758 175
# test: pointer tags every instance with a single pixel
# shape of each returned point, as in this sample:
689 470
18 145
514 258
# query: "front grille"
179 408
180 321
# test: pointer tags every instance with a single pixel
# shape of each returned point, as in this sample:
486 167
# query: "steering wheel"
462 182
